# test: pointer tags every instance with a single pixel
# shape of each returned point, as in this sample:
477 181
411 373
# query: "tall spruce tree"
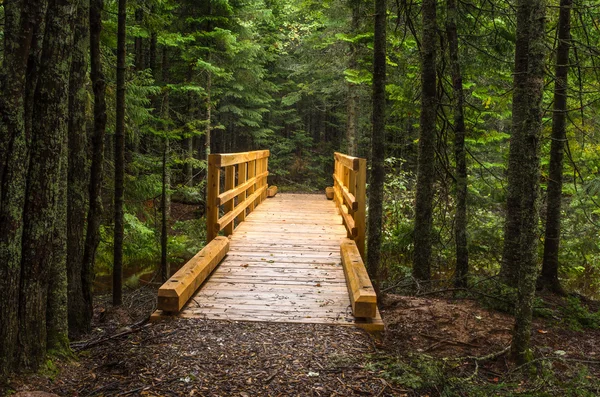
377 175
549 277
524 167
422 235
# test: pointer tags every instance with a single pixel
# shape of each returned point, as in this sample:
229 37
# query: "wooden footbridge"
295 258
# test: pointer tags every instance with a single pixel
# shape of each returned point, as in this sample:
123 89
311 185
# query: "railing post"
229 184
242 178
266 180
212 192
251 189
361 197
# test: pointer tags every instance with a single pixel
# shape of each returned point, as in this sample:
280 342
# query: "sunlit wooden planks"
284 265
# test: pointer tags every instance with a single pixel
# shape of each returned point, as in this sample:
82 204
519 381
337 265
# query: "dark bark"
164 261
20 22
208 114
152 55
352 100
377 175
78 175
529 175
549 277
94 215
422 234
139 42
57 316
460 218
43 181
166 200
509 271
119 156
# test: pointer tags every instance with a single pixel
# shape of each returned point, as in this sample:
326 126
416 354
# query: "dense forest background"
294 78
150 87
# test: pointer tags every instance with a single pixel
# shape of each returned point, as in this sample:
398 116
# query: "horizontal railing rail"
245 187
349 185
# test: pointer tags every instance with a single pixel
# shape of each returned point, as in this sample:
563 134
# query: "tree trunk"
530 128
208 114
43 181
164 262
460 219
78 177
21 21
509 271
377 176
139 42
549 276
57 316
166 200
120 156
352 104
426 162
94 216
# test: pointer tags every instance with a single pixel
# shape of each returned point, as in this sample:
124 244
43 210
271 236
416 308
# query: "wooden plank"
173 294
347 161
349 198
266 296
212 191
271 191
348 221
239 190
262 265
360 289
259 288
226 159
230 216
228 207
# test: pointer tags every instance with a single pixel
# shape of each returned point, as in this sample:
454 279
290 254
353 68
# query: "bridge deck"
283 265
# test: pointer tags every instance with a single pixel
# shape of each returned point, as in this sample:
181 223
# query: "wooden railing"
245 187
349 185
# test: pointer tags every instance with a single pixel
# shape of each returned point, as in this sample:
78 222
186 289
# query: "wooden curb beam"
271 191
329 192
361 291
175 293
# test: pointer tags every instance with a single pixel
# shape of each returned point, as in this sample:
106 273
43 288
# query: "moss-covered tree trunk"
94 215
43 181
57 316
511 256
377 175
460 218
530 129
78 170
549 277
422 235
120 157
21 20
352 99
166 176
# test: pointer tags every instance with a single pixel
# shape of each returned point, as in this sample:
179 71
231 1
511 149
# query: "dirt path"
213 358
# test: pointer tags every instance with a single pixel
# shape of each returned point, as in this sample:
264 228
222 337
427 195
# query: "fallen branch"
77 346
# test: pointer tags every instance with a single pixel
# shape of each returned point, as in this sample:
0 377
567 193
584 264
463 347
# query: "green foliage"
415 372
577 316
426 375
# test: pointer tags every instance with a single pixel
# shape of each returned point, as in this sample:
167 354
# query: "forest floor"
431 347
